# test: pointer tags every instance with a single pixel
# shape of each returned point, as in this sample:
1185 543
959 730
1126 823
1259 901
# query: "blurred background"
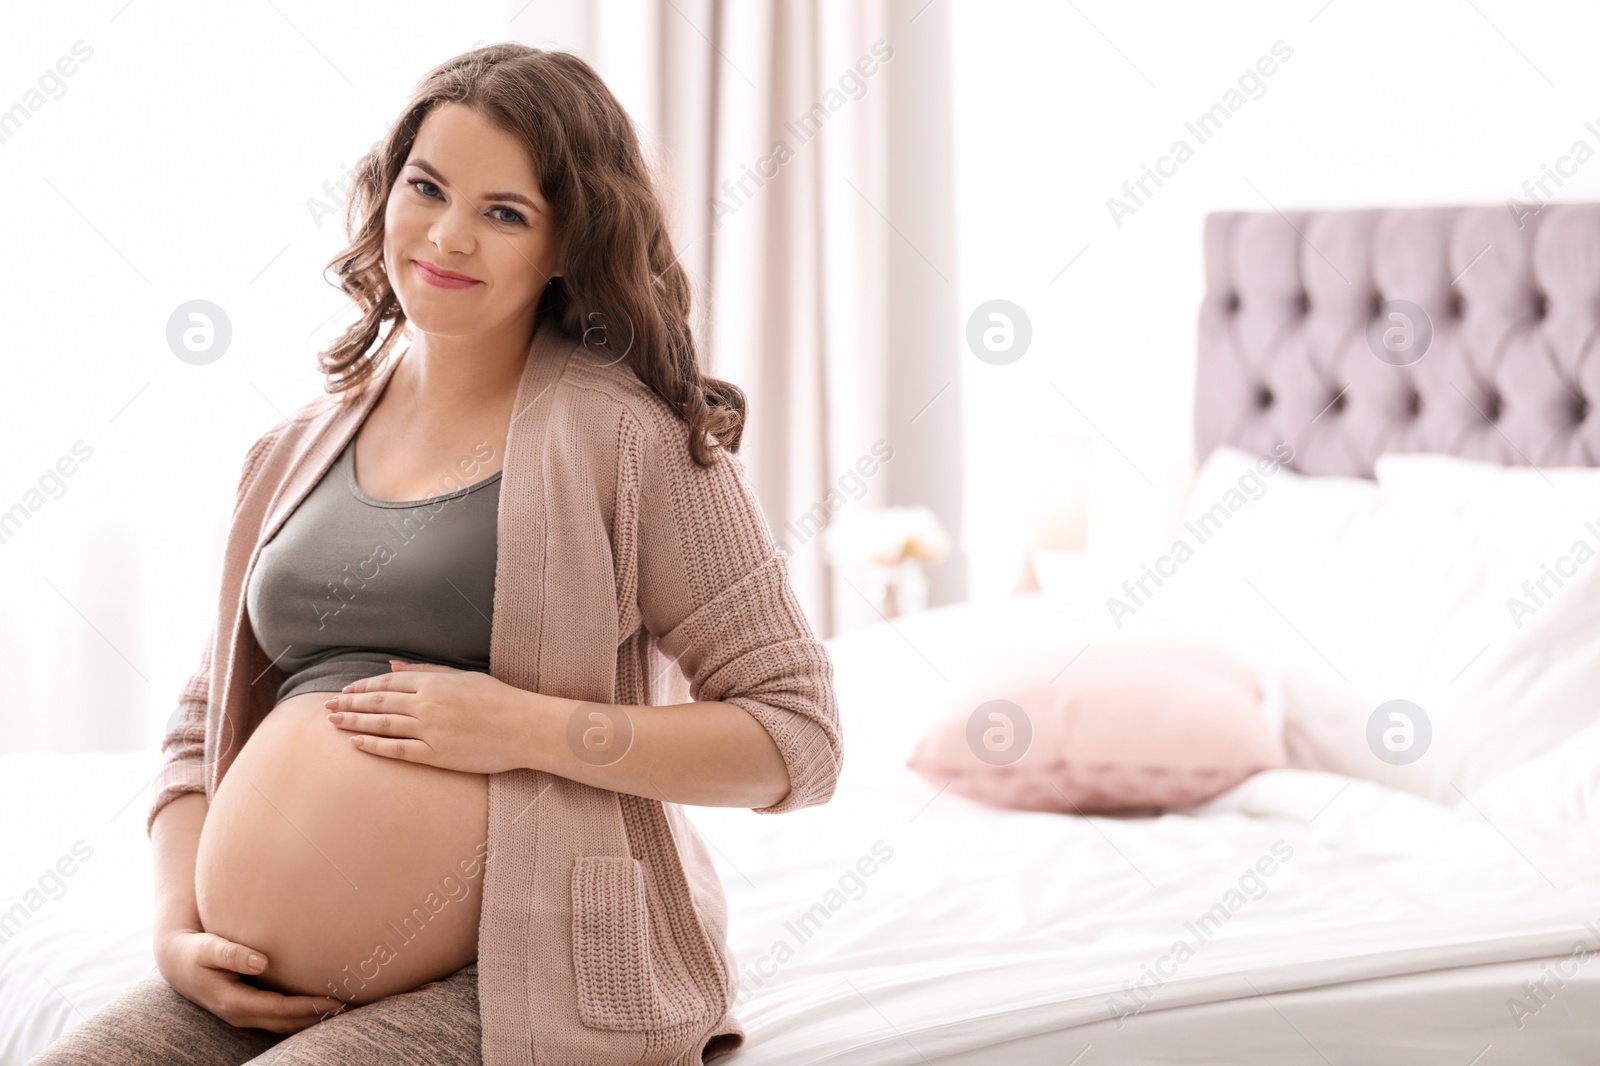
951 251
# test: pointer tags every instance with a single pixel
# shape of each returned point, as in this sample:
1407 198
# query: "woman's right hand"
204 968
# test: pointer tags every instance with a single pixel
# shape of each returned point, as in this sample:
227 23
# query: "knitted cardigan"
603 936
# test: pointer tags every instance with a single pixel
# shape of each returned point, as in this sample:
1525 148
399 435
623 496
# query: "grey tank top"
349 582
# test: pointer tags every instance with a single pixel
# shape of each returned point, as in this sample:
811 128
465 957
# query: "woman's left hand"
420 712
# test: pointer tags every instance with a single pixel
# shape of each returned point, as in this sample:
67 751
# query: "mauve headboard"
1296 310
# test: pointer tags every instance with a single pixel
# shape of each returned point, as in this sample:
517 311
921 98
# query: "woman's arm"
706 754
183 771
175 835
712 586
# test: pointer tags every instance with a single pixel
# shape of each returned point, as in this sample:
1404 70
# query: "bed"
902 923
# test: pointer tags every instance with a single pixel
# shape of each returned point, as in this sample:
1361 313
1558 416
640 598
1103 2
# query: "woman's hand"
204 968
420 712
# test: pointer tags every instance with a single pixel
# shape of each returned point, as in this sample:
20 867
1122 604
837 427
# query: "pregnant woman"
421 802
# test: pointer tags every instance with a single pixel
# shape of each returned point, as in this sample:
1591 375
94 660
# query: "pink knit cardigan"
603 936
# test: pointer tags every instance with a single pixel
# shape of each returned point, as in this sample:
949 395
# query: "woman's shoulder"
643 413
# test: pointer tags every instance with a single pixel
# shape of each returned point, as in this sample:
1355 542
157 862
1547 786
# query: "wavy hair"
620 274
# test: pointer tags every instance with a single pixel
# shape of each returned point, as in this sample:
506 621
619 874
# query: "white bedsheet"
1393 922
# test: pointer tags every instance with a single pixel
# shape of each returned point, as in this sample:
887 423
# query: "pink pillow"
1128 726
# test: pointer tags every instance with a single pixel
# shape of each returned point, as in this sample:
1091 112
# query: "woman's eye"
419 182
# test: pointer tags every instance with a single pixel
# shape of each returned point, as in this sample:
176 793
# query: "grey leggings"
151 1024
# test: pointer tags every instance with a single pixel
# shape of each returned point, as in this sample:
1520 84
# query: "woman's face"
467 201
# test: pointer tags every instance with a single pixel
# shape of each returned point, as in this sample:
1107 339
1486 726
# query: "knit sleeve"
184 768
714 588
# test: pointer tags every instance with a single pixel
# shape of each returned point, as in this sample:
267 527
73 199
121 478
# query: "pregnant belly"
358 876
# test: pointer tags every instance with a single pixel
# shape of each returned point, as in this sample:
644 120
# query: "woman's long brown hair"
621 292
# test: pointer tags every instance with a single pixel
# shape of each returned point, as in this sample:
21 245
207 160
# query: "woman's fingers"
246 1006
383 724
251 1007
224 954
206 969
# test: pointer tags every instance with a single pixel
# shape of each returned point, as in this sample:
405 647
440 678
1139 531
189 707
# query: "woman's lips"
443 281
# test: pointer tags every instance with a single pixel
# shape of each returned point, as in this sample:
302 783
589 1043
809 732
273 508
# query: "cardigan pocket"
626 980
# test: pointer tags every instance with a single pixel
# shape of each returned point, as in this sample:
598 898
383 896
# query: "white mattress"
1398 931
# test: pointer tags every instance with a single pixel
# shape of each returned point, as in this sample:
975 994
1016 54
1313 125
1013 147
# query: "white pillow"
1255 539
1513 614
1241 510
1358 592
1532 534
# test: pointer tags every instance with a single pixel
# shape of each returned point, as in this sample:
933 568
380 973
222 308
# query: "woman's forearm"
175 836
707 753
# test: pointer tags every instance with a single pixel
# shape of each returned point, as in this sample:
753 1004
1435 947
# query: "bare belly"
357 875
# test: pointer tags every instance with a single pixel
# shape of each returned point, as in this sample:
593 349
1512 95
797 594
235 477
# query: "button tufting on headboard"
1510 383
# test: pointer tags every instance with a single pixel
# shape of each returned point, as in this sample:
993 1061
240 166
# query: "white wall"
1382 103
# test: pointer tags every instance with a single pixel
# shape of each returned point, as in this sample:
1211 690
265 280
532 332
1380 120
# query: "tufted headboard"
1473 331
